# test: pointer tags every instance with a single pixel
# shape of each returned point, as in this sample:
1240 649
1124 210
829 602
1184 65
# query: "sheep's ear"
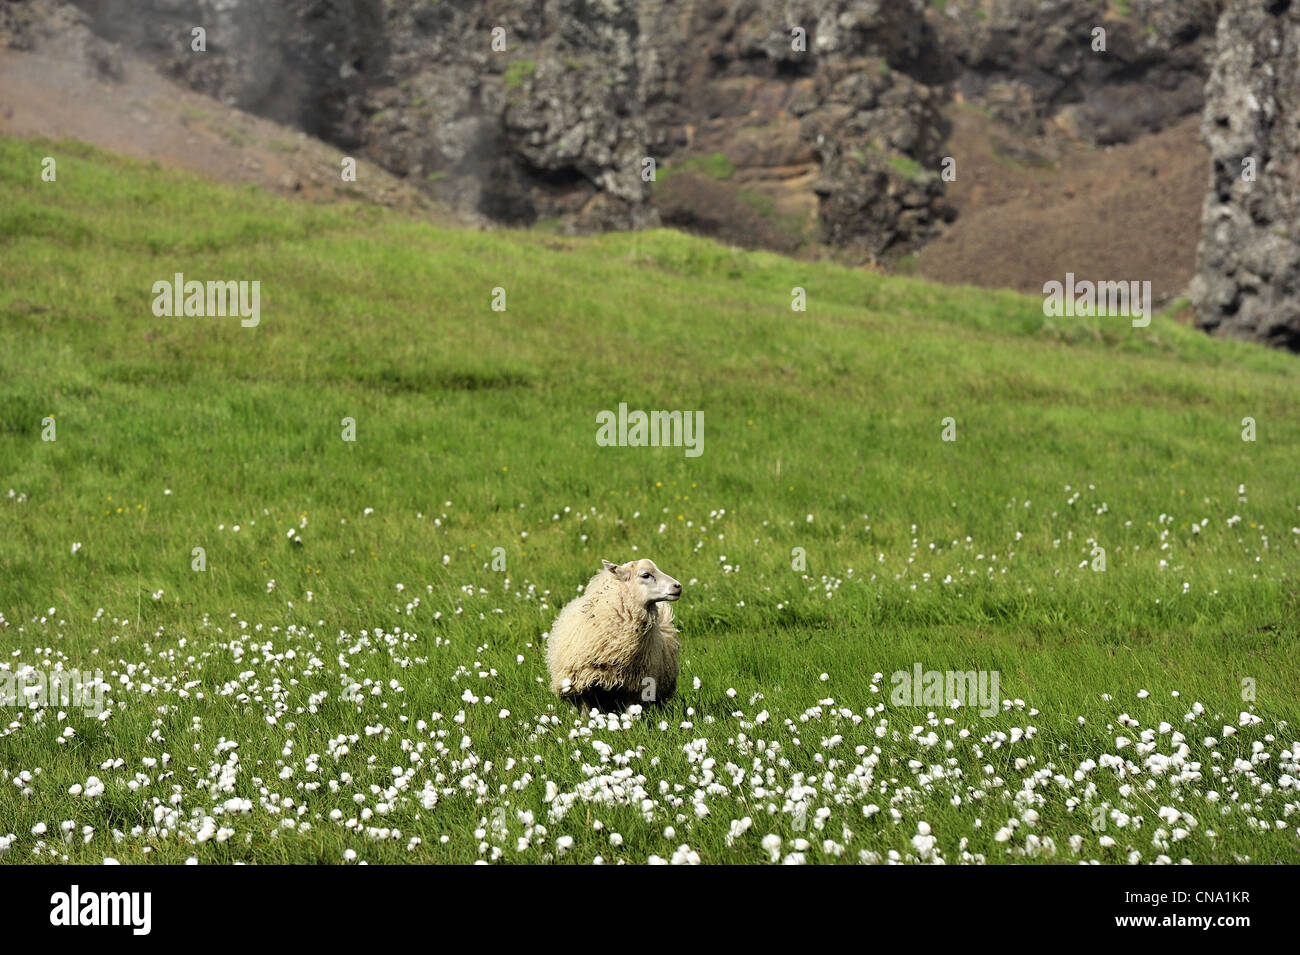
619 571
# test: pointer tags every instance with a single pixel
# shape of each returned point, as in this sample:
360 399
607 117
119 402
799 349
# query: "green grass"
905 166
356 605
906 264
714 165
909 168
518 71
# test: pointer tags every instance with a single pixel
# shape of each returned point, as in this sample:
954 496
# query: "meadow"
350 668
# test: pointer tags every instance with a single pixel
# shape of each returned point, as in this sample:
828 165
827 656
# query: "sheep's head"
648 582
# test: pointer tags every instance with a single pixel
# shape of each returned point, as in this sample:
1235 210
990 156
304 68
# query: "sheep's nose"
677 588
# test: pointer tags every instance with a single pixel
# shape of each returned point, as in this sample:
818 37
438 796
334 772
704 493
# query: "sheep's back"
585 644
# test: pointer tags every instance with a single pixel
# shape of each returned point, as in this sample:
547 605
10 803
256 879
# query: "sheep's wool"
607 649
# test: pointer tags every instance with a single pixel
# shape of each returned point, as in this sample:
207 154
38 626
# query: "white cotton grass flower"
685 855
803 765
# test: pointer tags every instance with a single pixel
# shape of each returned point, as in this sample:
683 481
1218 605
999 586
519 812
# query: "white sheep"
616 644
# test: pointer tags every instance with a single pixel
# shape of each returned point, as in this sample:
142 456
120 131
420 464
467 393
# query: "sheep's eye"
647 575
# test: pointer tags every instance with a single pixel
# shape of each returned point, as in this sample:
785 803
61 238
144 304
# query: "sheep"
616 644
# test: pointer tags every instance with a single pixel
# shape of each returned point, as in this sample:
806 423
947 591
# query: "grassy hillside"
383 683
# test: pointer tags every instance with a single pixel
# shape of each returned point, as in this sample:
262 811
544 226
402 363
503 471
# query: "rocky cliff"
1248 270
1037 63
798 125
782 123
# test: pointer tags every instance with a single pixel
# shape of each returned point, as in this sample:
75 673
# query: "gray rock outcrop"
1248 270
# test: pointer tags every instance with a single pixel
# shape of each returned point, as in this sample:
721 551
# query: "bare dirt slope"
1030 212
117 103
